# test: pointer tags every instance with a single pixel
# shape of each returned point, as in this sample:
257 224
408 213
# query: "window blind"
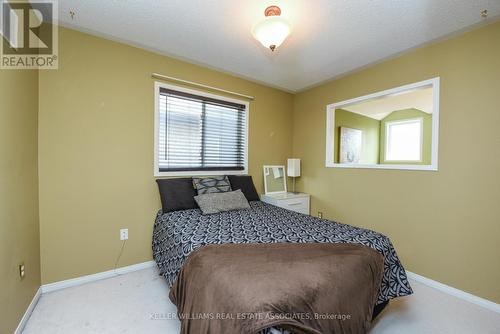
198 133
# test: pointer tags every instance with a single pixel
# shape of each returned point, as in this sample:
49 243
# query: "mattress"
176 234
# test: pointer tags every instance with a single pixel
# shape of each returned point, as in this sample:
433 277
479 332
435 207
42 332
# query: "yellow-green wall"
96 149
95 157
19 235
400 115
445 225
370 138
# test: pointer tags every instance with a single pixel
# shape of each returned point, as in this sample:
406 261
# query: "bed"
177 234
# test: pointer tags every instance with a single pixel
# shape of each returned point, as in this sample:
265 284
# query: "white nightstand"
298 202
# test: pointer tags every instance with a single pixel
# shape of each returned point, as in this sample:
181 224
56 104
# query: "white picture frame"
330 127
267 170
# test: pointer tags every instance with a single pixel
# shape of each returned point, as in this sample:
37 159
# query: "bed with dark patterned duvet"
176 234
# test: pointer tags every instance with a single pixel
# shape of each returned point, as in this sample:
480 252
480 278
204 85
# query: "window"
199 133
403 140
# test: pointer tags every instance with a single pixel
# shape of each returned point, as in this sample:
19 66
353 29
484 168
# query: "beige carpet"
127 304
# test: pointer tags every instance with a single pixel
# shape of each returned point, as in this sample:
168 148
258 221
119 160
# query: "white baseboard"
123 270
28 312
492 306
95 277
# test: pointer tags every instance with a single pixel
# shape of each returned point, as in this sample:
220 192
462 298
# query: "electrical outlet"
124 234
320 215
22 272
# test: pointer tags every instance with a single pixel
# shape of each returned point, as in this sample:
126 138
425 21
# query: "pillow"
245 183
213 184
219 202
176 194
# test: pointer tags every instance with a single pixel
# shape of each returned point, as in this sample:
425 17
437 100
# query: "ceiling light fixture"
273 29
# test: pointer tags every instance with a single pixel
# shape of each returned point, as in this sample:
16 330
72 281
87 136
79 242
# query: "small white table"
298 202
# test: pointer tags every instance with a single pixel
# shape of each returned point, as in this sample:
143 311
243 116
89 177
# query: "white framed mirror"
274 179
393 129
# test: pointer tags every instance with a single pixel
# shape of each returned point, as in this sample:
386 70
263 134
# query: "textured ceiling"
329 37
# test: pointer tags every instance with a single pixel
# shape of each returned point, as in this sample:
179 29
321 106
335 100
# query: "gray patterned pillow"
219 202
213 184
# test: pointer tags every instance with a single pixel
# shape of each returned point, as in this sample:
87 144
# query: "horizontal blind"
198 133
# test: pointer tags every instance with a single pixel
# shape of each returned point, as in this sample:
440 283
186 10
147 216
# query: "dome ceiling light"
273 29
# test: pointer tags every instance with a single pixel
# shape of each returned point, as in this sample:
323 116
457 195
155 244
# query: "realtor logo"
29 35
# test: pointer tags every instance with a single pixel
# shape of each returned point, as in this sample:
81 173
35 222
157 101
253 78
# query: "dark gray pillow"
213 184
245 183
176 194
219 202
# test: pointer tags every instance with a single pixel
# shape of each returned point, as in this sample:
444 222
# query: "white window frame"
399 122
156 169
330 128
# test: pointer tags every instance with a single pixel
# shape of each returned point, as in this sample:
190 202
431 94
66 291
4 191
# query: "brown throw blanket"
306 288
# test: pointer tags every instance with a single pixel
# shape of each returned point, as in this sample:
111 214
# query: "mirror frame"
265 182
330 127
